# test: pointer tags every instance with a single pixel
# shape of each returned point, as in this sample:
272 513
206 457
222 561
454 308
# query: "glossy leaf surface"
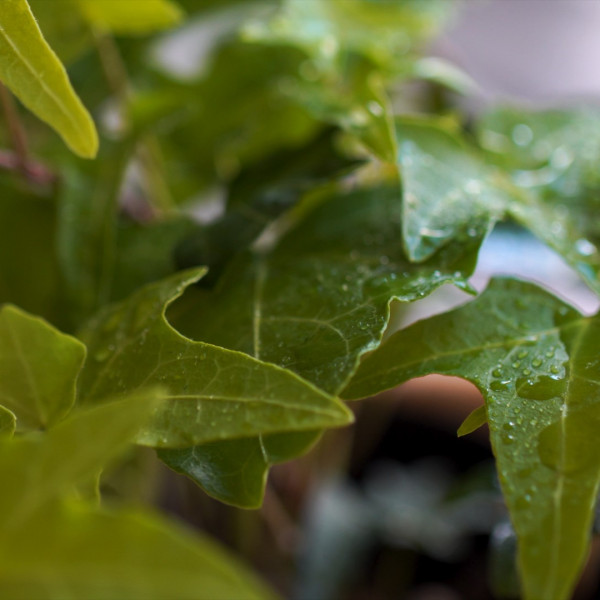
31 70
448 191
551 158
535 361
319 299
132 345
39 367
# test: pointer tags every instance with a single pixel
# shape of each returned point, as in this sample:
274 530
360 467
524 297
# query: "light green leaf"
37 468
535 361
77 551
8 422
131 16
474 421
39 366
448 192
31 70
316 301
383 32
214 393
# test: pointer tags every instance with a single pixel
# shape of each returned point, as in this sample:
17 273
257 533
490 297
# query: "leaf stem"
15 128
19 160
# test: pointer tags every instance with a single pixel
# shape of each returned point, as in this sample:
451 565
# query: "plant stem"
15 128
19 160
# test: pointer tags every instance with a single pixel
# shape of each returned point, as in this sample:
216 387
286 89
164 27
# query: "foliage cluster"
230 344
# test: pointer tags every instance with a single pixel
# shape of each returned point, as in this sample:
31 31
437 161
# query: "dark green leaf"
39 367
236 472
535 361
448 191
320 298
214 393
25 216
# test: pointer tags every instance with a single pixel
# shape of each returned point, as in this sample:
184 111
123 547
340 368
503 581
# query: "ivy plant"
200 254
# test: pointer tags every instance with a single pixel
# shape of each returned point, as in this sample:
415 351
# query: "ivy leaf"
31 70
122 554
39 366
35 469
132 345
551 158
535 360
313 304
131 16
448 192
222 474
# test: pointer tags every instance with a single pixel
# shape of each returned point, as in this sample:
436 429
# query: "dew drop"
522 134
522 354
375 108
536 362
585 247
497 372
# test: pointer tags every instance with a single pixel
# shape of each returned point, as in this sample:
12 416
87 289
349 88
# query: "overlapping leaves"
535 360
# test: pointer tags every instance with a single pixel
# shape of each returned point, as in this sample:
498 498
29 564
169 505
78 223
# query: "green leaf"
319 298
36 469
77 551
313 304
241 108
474 421
448 192
25 216
87 230
214 393
236 472
383 32
128 17
39 366
535 361
8 422
31 70
552 160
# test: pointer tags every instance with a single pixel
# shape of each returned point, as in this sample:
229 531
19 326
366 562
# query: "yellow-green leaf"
33 72
131 16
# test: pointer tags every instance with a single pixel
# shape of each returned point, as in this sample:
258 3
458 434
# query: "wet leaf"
31 70
320 298
448 192
535 360
39 367
551 158
213 393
